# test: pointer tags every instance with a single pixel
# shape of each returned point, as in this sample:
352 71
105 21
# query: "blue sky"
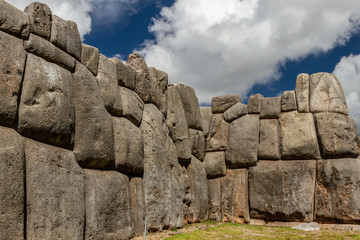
227 46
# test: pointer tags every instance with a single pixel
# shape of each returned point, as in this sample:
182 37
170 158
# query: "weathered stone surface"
176 121
222 103
108 202
217 139
282 190
269 146
66 36
326 94
234 189
338 136
132 105
337 191
54 193
12 64
40 19
235 112
107 79
12 189
136 61
137 205
288 101
313 226
46 111
197 141
125 73
94 141
159 83
186 191
270 107
90 57
243 142
206 115
214 164
298 136
129 147
254 103
13 20
162 173
49 52
302 92
214 196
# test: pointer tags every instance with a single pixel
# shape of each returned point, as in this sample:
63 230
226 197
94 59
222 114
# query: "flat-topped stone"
222 103
13 20
269 145
270 107
254 103
288 101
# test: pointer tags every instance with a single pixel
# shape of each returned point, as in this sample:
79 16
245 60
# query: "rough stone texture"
107 79
270 107
313 226
298 136
13 20
222 103
338 136
162 173
234 190
94 141
254 103
302 92
66 36
137 205
243 142
269 146
217 139
337 191
235 112
49 52
282 190
90 57
159 83
206 115
132 105
126 74
136 61
12 64
326 94
54 193
12 189
176 121
214 164
40 19
197 140
46 111
108 202
214 196
288 101
129 147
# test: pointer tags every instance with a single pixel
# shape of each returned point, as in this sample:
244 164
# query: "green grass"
243 231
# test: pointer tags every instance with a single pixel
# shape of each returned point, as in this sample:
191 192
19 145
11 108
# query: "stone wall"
90 146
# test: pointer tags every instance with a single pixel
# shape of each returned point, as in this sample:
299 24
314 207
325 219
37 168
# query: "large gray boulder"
40 19
214 164
222 103
288 101
159 83
206 115
108 202
197 141
191 106
13 20
46 111
234 196
54 193
137 205
270 107
125 73
129 147
132 105
243 143
12 189
337 191
12 64
326 94
94 141
217 139
214 196
338 136
298 136
302 92
90 57
269 145
282 190
162 173
254 103
235 112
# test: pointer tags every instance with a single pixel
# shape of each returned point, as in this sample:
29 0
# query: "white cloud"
225 47
348 73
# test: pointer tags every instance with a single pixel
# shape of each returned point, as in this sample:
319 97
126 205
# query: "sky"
227 46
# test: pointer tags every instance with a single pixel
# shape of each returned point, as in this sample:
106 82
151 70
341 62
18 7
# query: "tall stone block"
13 20
206 115
288 101
54 193
159 83
90 57
191 106
269 146
302 92
40 19
254 103
217 139
214 204
137 205
132 105
197 141
125 73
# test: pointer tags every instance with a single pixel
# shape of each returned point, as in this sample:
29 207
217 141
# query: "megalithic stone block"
125 73
270 107
254 103
288 101
13 20
214 204
214 164
132 105
138 208
302 92
222 103
197 141
90 57
159 83
40 19
235 112
269 145
206 115
217 139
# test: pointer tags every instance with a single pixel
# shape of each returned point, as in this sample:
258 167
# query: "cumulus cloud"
225 47
348 73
